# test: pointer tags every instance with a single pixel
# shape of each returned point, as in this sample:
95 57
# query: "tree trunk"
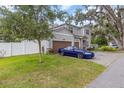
40 53
123 40
116 18
122 36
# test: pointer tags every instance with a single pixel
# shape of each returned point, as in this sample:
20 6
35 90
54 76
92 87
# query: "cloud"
65 7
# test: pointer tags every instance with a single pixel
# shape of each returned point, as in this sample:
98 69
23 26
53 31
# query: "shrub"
100 40
51 51
107 48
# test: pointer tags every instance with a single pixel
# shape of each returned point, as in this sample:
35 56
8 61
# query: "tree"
82 18
114 16
103 28
100 40
5 21
28 22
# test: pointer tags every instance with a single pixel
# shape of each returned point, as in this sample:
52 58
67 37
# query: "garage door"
60 44
76 44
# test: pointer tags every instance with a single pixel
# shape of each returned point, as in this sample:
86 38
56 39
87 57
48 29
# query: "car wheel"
80 56
62 53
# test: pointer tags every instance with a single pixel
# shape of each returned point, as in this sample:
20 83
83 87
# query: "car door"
72 52
69 51
66 52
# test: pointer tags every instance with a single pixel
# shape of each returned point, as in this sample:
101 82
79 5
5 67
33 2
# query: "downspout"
73 41
89 39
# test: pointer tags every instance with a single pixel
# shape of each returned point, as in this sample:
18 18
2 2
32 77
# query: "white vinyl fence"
21 48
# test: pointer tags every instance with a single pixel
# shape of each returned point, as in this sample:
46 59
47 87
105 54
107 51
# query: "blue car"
75 52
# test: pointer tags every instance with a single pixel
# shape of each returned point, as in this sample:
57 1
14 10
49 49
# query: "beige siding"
62 37
77 32
62 29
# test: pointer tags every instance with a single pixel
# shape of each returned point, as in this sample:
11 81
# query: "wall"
21 48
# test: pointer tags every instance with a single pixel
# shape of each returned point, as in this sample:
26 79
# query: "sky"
69 9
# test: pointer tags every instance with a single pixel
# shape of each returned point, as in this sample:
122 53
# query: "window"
84 41
87 32
71 29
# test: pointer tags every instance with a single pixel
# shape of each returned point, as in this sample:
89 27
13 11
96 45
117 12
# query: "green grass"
56 71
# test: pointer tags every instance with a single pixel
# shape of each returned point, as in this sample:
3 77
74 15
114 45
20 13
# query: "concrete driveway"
106 58
113 77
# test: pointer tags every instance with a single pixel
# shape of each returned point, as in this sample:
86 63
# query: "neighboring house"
70 35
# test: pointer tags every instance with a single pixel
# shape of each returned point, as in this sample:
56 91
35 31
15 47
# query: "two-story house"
70 35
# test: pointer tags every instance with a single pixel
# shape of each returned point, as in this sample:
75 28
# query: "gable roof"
66 24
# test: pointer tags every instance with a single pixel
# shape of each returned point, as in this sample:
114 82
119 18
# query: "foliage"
100 40
28 22
107 48
56 71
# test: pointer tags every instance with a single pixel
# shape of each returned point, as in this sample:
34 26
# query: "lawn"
56 71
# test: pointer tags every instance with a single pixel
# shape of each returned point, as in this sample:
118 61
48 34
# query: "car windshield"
71 47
